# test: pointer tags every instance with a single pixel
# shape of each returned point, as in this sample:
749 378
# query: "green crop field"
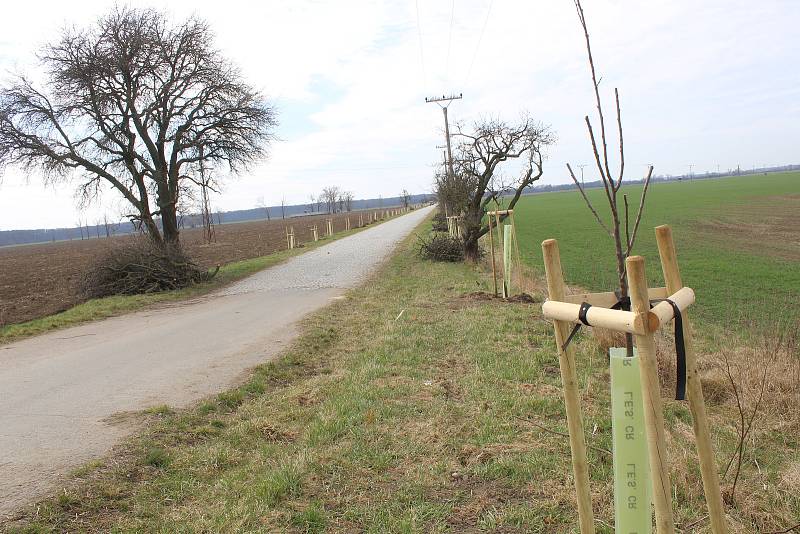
738 242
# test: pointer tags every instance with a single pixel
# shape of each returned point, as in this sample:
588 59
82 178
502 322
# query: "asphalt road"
62 394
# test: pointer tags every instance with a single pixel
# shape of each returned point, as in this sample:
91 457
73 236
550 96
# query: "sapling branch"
586 199
627 223
632 239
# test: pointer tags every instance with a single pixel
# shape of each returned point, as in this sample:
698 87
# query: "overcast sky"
707 83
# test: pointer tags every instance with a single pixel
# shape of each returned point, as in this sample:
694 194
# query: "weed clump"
156 457
141 267
441 247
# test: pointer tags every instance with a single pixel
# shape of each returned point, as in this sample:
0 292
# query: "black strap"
583 321
680 353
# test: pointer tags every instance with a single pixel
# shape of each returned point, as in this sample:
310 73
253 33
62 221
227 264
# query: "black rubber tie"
583 321
680 353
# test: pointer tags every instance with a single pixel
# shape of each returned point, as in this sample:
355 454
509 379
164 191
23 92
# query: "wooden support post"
569 377
347 223
694 389
291 236
315 233
491 254
330 227
651 397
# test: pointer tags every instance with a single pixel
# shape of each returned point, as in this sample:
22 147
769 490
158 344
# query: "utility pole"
581 166
447 101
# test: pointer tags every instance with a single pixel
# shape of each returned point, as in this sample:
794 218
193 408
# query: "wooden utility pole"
447 101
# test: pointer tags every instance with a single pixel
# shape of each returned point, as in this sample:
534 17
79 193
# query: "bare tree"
136 103
330 196
262 204
283 207
611 182
312 200
479 156
405 198
347 197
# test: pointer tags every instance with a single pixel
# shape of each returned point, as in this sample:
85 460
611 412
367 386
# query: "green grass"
95 309
727 232
374 423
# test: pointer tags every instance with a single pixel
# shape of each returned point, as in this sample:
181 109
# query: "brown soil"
482 296
767 226
42 279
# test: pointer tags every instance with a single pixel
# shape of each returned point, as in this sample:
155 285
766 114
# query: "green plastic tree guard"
506 260
632 500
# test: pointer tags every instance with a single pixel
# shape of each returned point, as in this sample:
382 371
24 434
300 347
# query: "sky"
712 83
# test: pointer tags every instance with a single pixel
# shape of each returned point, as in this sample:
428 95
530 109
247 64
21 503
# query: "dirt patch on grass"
483 296
767 226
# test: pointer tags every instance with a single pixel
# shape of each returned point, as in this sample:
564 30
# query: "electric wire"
478 46
421 55
449 42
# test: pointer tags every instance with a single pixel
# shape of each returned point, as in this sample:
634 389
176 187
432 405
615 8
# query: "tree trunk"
471 249
169 227
471 233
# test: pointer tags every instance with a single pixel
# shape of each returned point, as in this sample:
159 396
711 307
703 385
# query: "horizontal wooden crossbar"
664 313
500 212
609 298
619 320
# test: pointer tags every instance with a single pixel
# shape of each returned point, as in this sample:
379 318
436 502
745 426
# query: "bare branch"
588 203
632 238
621 143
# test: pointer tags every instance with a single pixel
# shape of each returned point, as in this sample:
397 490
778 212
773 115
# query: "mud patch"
765 226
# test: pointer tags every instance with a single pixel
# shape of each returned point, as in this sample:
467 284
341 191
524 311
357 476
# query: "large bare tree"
136 102
477 169
330 195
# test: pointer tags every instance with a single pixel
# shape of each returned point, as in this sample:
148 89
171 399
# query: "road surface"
60 391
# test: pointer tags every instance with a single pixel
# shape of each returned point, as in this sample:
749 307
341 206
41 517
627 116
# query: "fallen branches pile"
441 247
142 267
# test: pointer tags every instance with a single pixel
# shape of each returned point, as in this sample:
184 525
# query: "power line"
421 55
480 39
449 42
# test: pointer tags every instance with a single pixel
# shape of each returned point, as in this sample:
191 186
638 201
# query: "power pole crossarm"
444 101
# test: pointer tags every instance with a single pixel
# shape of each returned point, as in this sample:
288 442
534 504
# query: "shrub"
140 267
441 247
439 222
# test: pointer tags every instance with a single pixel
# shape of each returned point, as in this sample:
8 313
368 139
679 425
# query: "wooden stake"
491 253
694 390
651 397
569 378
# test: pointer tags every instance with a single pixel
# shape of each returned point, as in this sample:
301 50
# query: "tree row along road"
62 394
